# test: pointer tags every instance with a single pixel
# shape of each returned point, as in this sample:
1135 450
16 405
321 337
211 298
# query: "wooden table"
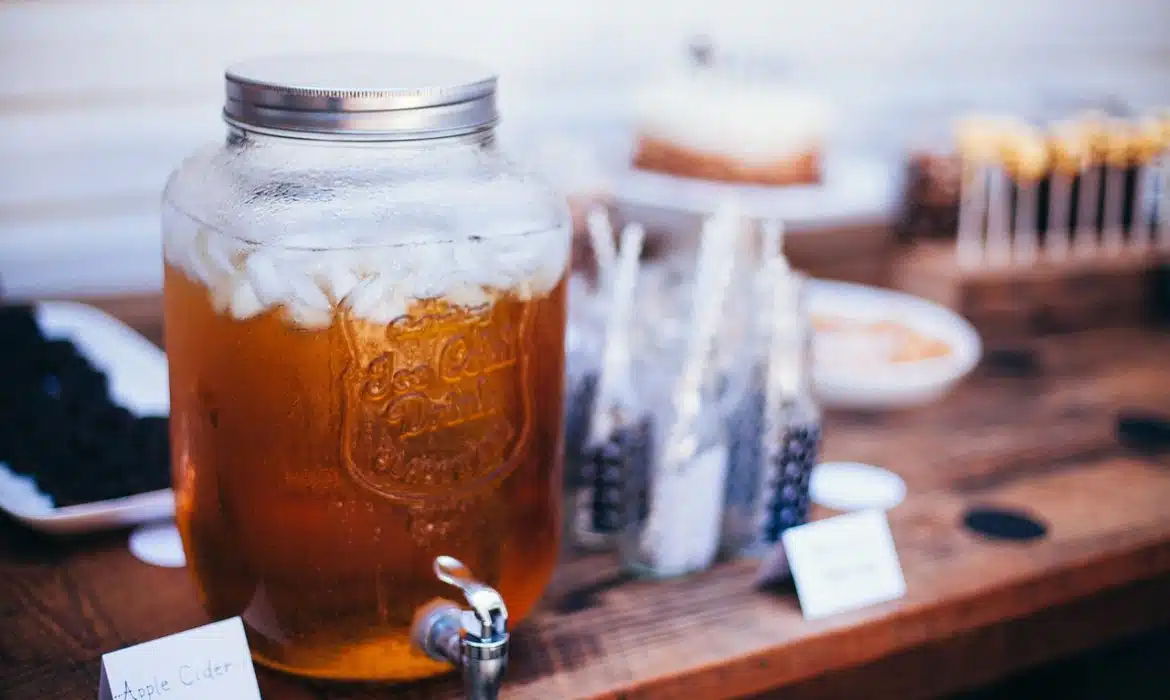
1036 433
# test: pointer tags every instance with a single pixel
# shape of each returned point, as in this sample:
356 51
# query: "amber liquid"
318 473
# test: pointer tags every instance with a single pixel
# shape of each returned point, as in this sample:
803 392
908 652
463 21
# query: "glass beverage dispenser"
365 316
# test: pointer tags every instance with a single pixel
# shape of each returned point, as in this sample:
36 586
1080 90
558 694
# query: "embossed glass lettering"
445 408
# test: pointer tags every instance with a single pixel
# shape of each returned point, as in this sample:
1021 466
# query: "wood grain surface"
1035 429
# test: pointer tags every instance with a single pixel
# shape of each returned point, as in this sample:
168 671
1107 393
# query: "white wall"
100 98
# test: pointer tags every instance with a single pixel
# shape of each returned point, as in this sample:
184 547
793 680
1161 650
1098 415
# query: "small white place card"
844 563
212 661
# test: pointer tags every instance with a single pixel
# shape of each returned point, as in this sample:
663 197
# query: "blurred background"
100 99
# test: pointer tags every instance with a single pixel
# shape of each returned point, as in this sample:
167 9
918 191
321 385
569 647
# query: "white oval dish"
137 373
852 486
888 385
853 189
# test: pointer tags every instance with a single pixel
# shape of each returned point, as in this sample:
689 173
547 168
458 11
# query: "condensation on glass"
365 314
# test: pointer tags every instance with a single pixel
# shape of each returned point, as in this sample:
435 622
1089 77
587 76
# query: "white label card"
844 563
212 661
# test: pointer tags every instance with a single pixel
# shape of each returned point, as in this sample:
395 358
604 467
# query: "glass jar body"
366 361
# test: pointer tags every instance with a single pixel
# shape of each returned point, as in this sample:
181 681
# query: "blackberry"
22 459
618 470
47 444
85 445
147 444
90 482
41 418
578 415
18 329
151 439
790 461
85 384
112 425
745 426
59 356
152 477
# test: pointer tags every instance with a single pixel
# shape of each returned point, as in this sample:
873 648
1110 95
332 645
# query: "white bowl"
887 385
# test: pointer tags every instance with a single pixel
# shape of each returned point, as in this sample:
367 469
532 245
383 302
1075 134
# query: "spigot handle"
474 641
486 603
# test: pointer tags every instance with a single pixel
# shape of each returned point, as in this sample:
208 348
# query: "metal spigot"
475 641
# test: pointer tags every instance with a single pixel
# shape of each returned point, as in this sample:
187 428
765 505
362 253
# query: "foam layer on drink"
311 277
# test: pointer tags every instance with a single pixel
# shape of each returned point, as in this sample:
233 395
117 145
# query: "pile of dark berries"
59 425
578 419
745 428
789 468
619 472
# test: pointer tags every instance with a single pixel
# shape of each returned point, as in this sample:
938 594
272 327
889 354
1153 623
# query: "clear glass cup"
776 433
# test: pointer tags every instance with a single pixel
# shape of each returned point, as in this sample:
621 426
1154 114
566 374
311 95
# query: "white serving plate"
857 386
137 374
853 189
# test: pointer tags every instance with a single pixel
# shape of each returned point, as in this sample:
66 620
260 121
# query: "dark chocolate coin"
1004 524
1011 362
1145 432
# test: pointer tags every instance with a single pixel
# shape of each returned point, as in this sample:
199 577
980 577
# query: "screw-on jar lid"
373 96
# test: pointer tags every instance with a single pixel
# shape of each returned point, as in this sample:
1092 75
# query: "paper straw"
1113 238
1025 227
713 275
1140 226
1163 206
998 231
772 233
674 476
1085 241
782 380
616 358
717 242
972 205
1056 241
601 238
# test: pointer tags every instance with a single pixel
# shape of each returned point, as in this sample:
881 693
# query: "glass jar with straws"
673 504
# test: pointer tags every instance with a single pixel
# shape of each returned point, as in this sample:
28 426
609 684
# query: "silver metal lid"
375 96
